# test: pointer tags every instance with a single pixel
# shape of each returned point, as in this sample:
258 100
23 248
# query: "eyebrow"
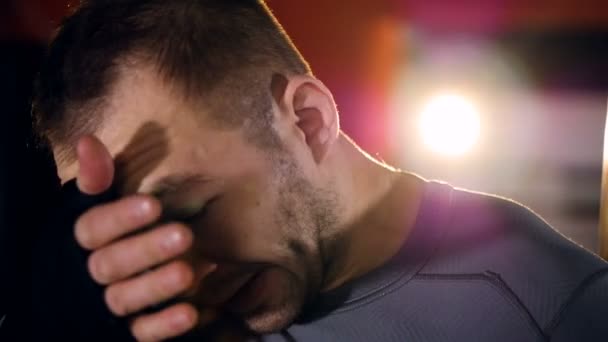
176 182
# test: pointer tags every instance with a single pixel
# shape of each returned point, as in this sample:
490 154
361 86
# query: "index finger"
105 223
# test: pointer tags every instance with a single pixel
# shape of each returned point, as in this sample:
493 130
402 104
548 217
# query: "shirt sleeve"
585 315
65 303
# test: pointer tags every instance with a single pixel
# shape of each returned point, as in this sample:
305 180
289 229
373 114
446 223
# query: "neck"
379 209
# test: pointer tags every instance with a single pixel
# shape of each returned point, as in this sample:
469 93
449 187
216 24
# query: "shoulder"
488 231
539 265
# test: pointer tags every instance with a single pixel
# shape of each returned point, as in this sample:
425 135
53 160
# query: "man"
239 199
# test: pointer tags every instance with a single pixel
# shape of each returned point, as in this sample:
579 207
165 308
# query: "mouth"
218 287
251 295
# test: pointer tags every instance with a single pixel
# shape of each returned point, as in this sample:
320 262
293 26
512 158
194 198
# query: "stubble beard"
305 213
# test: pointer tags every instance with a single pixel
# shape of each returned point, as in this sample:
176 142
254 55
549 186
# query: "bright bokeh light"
450 125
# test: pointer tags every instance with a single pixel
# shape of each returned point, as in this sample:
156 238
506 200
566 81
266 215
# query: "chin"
272 320
274 301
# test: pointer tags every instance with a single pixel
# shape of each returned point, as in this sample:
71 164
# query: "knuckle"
142 331
138 331
113 301
98 268
83 233
175 238
139 209
184 317
181 276
183 235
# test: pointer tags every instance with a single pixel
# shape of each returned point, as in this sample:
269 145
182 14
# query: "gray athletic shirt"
475 268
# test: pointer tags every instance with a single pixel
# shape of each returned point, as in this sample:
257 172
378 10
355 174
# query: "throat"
375 235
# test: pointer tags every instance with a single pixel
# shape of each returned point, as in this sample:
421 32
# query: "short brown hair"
227 48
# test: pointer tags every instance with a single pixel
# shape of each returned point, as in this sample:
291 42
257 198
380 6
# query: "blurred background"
506 97
499 96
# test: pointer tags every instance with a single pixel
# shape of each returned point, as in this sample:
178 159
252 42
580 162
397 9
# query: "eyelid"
184 214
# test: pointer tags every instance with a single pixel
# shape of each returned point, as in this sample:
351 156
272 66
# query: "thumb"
96 167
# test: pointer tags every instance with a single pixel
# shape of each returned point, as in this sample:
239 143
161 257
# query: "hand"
140 268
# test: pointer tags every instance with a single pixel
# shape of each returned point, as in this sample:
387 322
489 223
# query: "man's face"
255 212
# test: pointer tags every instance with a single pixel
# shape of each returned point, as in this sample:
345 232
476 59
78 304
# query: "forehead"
140 96
153 132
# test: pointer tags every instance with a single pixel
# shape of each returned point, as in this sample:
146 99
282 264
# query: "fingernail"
173 239
182 320
145 207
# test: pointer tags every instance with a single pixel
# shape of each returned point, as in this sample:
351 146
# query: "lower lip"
250 296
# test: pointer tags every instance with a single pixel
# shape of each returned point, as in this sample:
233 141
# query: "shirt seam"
578 292
495 281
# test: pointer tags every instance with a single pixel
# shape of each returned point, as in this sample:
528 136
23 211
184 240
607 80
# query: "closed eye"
188 214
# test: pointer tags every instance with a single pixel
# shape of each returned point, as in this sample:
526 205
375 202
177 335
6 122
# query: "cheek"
241 224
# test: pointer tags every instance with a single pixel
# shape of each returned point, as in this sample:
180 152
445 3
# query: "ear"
308 106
